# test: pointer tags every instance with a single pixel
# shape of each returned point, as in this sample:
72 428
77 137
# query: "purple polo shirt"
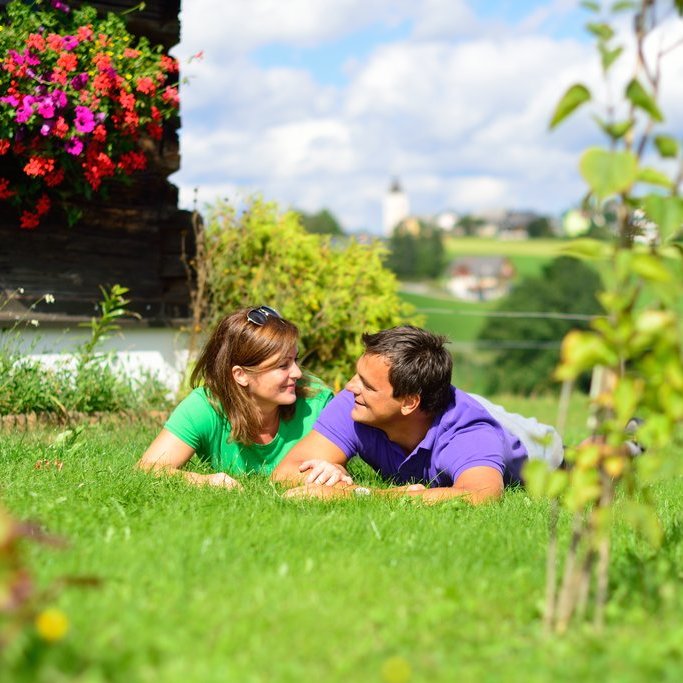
463 436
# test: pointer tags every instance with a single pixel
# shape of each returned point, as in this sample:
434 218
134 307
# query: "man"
403 417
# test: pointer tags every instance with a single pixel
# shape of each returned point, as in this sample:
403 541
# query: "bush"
566 285
333 293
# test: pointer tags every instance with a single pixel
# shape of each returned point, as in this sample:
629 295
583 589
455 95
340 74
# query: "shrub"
333 293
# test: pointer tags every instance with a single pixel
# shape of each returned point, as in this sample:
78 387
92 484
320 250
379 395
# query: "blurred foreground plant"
638 344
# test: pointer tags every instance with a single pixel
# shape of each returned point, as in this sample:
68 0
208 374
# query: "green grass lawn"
206 585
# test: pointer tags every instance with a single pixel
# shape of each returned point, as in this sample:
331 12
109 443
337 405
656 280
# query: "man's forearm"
429 496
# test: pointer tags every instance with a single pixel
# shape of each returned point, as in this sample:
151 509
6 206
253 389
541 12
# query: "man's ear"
240 376
409 404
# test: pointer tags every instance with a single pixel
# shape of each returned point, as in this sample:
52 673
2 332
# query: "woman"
249 405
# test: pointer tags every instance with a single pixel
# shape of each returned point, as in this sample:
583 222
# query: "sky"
321 103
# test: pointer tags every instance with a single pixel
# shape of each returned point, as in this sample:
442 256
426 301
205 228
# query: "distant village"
469 278
504 224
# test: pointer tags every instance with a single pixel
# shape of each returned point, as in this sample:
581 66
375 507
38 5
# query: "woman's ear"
240 376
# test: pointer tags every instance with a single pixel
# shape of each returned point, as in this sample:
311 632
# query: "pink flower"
85 120
80 81
69 43
74 146
61 6
46 108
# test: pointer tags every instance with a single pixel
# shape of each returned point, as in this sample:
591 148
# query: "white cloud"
460 115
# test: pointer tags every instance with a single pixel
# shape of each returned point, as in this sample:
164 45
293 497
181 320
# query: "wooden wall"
132 237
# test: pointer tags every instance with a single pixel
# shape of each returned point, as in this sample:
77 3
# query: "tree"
470 224
539 227
416 250
528 347
639 341
321 223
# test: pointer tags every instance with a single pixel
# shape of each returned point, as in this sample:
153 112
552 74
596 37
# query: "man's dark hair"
419 363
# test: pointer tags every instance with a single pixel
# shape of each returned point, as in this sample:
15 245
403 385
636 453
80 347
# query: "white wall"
162 350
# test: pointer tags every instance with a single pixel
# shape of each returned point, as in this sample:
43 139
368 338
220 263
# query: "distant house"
480 278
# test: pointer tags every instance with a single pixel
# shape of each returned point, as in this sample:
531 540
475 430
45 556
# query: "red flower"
169 64
67 61
4 147
54 42
132 161
5 192
43 205
39 166
29 220
102 84
61 128
99 134
35 42
102 61
146 86
155 131
131 119
170 95
59 76
85 33
130 53
127 100
155 113
55 178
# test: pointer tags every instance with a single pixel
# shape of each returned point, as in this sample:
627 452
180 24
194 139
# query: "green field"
528 256
207 585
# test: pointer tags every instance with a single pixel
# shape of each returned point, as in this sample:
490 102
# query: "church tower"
395 209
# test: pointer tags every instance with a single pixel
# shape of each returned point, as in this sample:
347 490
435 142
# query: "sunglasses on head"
260 315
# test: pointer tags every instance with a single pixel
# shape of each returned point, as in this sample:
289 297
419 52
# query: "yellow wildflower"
52 624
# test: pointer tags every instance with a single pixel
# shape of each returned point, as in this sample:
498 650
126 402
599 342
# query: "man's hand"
324 473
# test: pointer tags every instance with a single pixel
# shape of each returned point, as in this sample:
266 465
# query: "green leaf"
608 173
587 248
652 176
592 6
601 30
623 5
575 96
650 268
615 130
641 99
581 351
666 212
666 146
608 57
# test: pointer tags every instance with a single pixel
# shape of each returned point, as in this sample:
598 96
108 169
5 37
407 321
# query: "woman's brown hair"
237 341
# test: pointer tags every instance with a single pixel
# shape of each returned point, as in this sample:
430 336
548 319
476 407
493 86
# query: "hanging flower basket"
78 96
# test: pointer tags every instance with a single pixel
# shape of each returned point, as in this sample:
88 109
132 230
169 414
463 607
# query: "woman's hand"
325 473
221 479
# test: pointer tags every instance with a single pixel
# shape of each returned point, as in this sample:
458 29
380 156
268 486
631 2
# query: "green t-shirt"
196 422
